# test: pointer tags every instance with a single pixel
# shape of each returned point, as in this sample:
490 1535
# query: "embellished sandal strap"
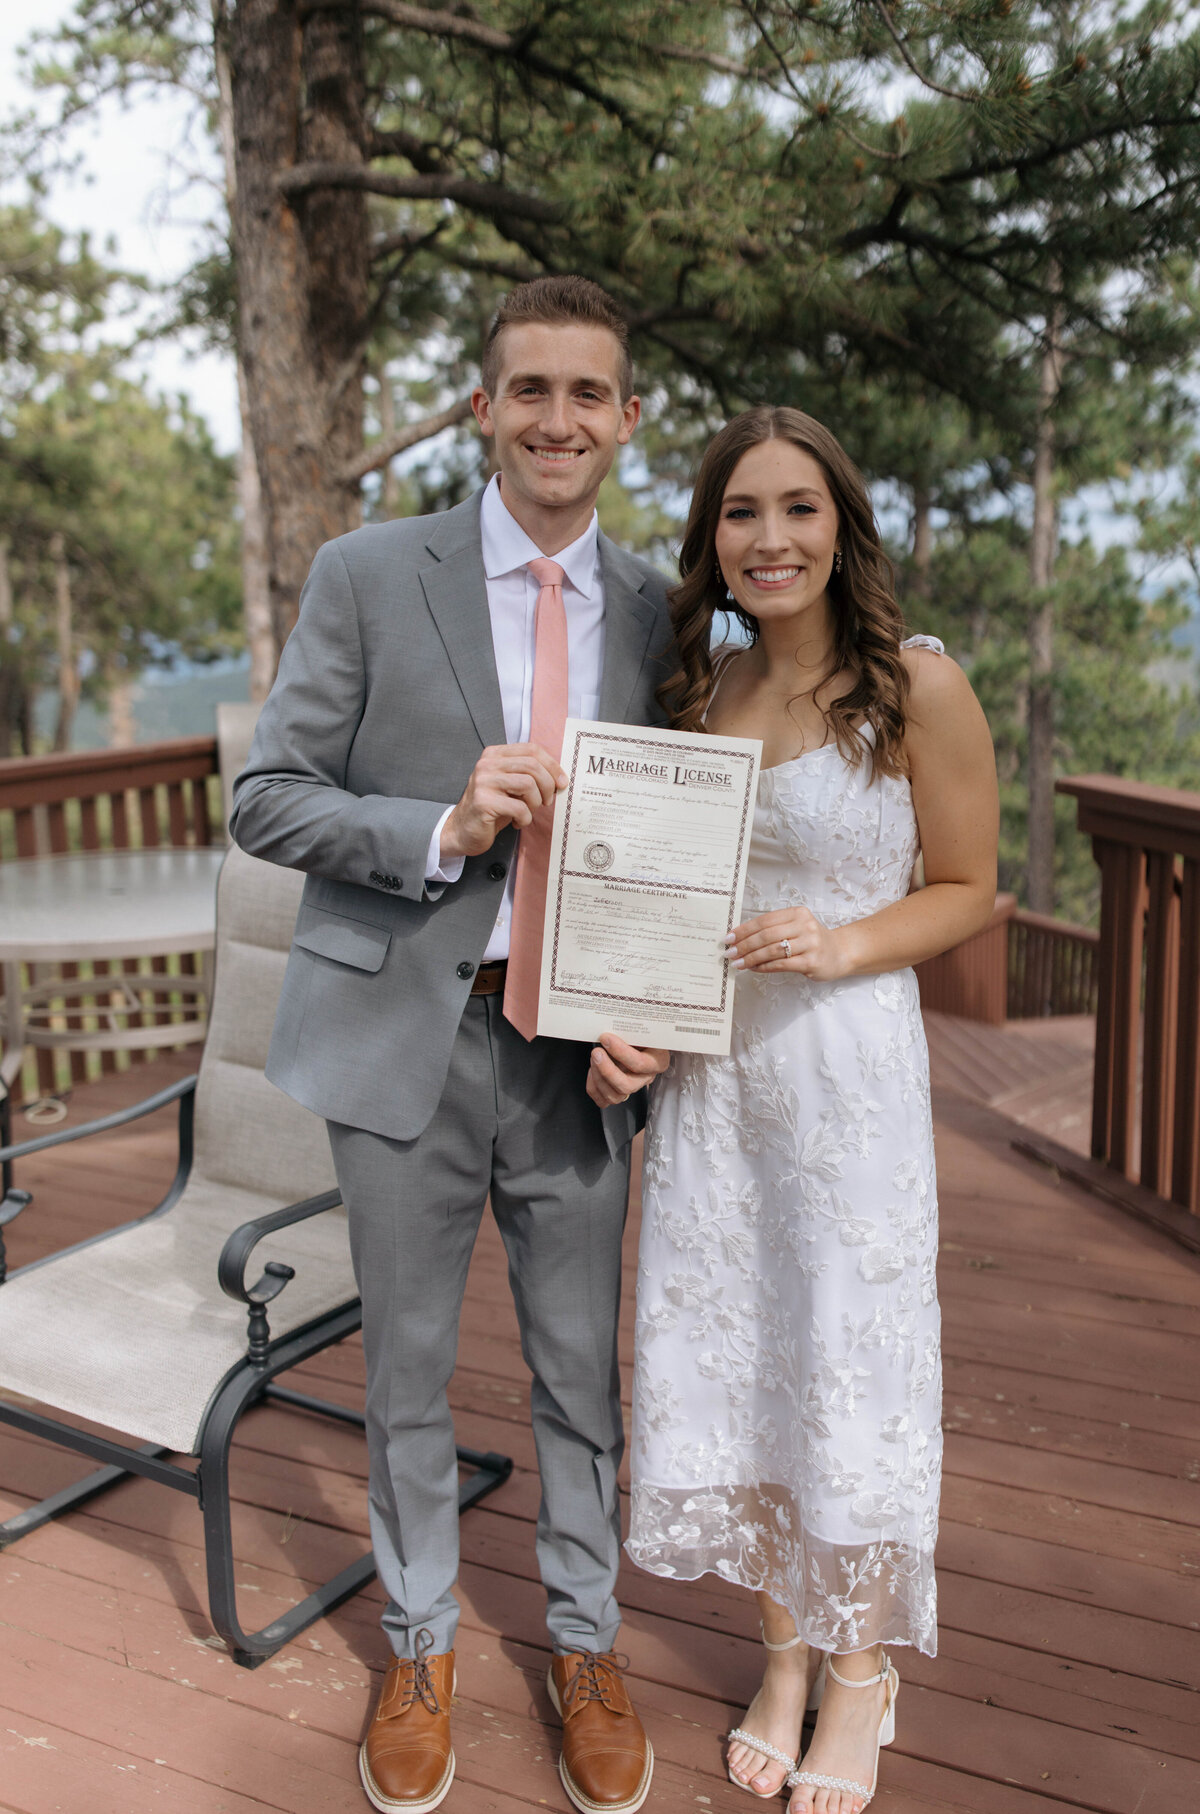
739 1737
829 1782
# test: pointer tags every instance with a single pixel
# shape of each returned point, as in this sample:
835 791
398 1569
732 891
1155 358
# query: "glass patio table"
103 904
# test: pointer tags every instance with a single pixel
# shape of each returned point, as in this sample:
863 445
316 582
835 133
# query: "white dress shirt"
512 594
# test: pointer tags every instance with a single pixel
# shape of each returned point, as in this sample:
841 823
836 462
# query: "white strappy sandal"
739 1736
887 1732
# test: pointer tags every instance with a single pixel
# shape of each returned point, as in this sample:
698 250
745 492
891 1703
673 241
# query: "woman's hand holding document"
651 838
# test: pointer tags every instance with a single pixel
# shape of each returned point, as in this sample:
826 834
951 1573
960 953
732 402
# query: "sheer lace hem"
841 1596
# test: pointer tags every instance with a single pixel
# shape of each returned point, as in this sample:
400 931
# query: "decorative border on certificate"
648 860
669 751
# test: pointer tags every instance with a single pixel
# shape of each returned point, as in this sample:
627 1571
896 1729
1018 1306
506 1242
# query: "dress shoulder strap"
721 660
722 657
924 642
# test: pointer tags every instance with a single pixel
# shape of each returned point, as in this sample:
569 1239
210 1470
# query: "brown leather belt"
489 978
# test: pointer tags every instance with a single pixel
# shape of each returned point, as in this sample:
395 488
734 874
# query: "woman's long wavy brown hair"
868 625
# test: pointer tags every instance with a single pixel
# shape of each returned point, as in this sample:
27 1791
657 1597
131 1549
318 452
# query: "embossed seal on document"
599 856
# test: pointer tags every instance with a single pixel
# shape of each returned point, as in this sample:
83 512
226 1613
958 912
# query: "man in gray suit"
393 763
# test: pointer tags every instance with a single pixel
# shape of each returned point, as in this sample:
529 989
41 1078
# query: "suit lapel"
456 592
629 619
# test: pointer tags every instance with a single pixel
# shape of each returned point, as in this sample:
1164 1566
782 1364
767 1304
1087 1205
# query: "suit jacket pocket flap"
347 941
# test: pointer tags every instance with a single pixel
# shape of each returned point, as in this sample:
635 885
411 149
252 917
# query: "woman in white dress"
787 1385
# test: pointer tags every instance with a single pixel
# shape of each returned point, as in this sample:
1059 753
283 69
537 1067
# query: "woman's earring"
837 560
721 582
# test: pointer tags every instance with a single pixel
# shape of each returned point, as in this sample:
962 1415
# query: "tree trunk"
302 270
122 728
10 673
1043 547
387 428
256 575
256 572
922 539
68 672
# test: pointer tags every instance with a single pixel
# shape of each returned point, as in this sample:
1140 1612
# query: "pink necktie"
548 715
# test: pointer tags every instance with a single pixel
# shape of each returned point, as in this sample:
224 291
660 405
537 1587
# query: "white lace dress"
787 1384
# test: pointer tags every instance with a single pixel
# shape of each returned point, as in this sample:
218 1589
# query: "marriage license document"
647 866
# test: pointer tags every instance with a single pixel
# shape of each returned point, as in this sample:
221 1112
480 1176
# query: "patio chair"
236 721
156 1329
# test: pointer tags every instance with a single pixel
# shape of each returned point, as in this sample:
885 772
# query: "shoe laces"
419 1686
594 1678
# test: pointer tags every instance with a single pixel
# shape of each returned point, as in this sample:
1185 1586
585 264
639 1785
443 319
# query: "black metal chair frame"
249 1383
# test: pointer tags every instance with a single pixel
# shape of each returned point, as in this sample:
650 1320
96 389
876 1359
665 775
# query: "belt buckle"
489 978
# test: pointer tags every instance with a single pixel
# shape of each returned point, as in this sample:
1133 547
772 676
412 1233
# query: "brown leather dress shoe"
406 1761
606 1761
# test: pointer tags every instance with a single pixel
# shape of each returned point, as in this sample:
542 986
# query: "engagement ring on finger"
785 946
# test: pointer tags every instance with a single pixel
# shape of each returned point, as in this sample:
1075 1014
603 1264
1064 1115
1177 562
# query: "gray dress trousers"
514 1120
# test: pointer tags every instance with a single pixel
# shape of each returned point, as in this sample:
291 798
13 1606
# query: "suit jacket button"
497 872
375 876
465 970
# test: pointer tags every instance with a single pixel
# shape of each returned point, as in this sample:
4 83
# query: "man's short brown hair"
558 301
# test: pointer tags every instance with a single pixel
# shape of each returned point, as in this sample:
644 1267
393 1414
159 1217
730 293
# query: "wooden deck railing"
1053 967
153 794
972 979
1146 841
1020 966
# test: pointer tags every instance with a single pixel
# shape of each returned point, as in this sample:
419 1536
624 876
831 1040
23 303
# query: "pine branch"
647 319
901 43
1061 148
517 46
428 159
493 267
710 373
875 151
882 232
425 19
863 328
707 59
480 198
406 240
384 451
486 37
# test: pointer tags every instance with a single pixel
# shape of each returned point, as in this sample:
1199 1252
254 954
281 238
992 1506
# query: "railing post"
1122 888
1185 1171
1140 834
1162 1000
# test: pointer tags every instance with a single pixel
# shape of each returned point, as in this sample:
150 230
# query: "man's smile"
560 456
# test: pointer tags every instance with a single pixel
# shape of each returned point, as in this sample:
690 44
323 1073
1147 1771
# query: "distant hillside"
165 704
182 703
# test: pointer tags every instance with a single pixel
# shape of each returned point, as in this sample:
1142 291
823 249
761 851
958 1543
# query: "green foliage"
48 288
1116 711
126 490
866 209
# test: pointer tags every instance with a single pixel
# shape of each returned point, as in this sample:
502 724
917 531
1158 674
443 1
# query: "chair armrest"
173 1093
231 1267
14 1201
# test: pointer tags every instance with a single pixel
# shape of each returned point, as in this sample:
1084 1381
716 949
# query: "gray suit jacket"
386 696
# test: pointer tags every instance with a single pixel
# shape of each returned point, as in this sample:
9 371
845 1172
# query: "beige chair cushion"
134 1331
236 722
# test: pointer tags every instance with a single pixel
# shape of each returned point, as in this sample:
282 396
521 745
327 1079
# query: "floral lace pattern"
787 1386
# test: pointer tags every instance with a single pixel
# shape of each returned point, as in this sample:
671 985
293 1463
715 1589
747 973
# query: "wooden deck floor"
1069 1563
1037 1072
